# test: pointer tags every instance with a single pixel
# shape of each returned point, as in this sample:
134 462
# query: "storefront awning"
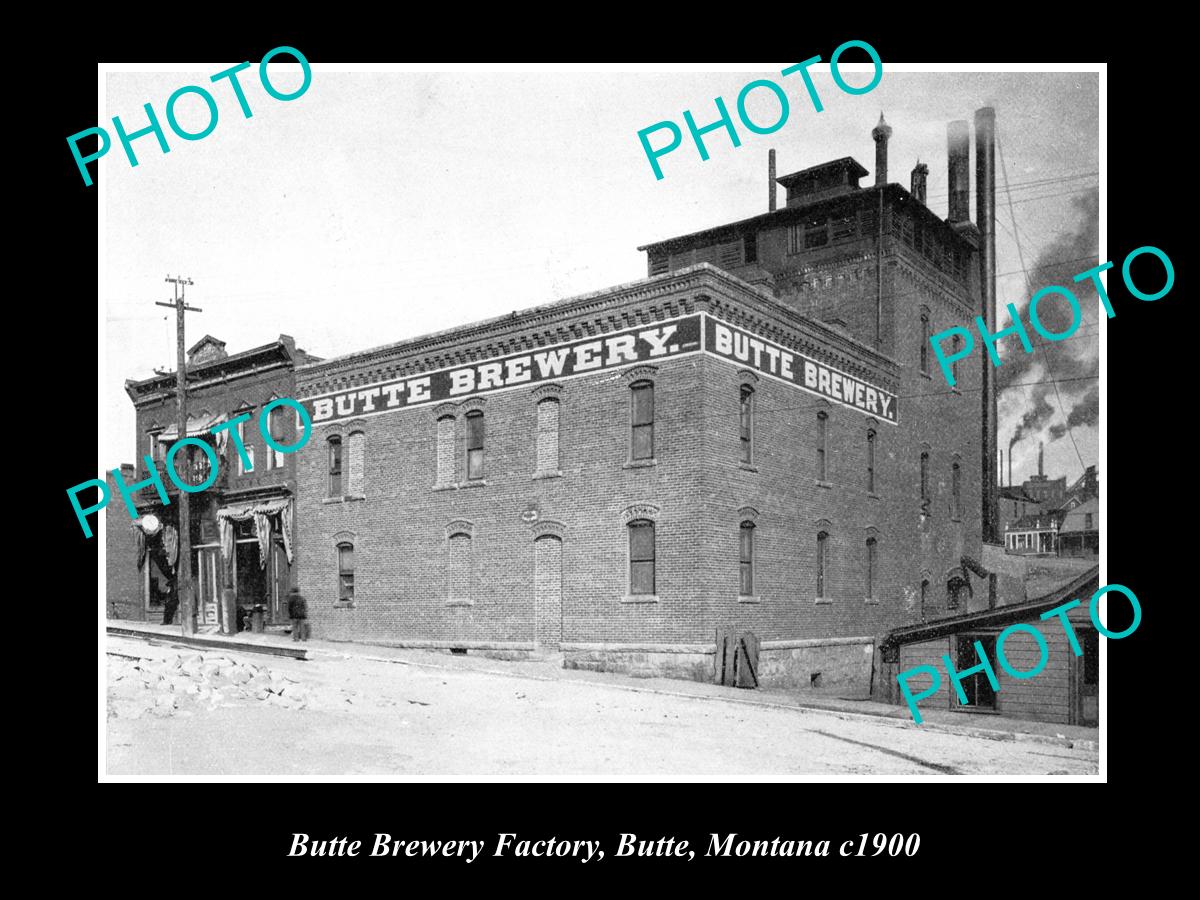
196 425
246 510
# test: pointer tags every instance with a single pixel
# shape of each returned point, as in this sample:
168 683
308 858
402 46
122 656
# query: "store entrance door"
208 584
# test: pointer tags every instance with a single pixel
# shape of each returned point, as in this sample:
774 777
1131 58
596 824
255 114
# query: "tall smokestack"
1010 466
881 133
985 220
1041 458
770 181
958 151
1000 471
919 173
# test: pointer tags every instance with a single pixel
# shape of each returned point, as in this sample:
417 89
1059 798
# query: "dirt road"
361 717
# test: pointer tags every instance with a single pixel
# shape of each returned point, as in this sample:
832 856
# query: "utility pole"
183 567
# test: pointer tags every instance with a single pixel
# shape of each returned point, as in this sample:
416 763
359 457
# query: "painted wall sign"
746 349
585 356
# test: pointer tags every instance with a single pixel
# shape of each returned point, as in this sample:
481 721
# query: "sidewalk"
983 726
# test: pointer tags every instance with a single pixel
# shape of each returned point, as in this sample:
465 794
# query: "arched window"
335 466
746 585
871 568
642 420
475 445
357 450
345 565
746 423
822 436
641 557
445 451
954 365
247 465
547 435
924 596
956 488
957 590
871 460
275 458
925 332
822 563
461 569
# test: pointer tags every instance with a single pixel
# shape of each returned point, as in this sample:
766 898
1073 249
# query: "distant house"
1035 535
1079 534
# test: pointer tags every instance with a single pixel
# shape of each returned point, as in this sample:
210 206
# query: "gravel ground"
173 712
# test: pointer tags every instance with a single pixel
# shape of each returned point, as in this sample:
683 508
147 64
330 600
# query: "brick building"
122 573
243 526
755 437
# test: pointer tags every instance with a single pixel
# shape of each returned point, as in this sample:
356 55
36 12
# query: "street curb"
203 642
895 721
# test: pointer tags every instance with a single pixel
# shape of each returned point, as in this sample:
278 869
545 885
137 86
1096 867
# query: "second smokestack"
958 151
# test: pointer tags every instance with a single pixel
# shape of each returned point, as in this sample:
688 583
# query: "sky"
380 206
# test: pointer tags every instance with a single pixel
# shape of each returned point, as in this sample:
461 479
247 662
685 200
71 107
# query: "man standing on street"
298 611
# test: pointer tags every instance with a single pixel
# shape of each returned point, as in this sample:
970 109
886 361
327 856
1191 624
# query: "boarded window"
746 585
445 450
547 435
843 227
474 445
730 255
641 557
357 447
335 466
795 238
822 434
460 567
746 423
345 564
816 232
642 419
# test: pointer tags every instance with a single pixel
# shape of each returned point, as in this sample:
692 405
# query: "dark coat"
297 606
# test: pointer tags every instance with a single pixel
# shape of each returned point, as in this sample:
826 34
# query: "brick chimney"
919 173
881 132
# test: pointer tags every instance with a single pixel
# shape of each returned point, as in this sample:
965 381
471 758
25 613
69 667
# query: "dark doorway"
252 586
977 687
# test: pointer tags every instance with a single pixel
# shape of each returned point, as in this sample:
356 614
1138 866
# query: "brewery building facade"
754 438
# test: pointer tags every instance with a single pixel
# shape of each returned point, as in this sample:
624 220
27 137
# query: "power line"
1045 356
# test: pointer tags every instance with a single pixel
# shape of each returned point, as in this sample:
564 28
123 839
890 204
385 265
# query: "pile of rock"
166 686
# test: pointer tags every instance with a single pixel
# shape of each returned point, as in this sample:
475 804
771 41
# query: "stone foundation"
831 664
688 662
